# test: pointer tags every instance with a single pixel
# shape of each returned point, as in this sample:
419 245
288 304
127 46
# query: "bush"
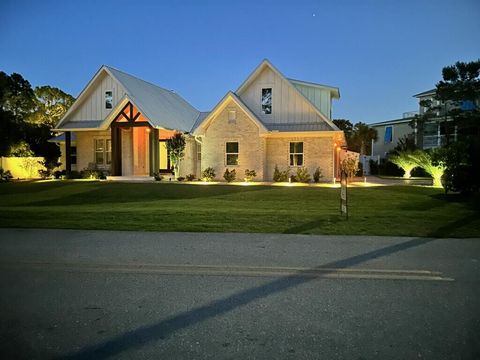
73 175
92 174
229 176
157 176
180 178
250 175
459 179
190 177
208 174
302 175
47 173
280 176
317 175
359 170
349 165
59 173
373 167
404 161
387 168
5 175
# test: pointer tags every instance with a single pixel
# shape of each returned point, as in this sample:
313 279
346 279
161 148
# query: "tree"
404 161
176 149
346 126
427 161
16 102
361 139
51 104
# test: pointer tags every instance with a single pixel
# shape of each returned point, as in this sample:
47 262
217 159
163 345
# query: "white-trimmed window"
232 116
199 152
266 100
108 99
99 151
231 153
296 153
103 152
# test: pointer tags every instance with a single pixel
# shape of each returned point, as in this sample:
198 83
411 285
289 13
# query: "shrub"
180 178
157 176
229 176
208 174
404 162
92 174
280 176
5 175
349 165
47 172
373 167
302 175
250 175
73 175
317 175
425 160
59 173
190 177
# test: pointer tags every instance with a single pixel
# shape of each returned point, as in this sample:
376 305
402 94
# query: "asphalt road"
131 295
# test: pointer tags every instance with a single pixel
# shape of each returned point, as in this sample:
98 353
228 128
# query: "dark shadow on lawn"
31 187
114 193
161 330
304 228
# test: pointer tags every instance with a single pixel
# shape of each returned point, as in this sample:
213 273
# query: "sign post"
343 193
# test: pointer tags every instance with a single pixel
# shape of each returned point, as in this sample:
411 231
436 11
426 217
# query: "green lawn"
393 210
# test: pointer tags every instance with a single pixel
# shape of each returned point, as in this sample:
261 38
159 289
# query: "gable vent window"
267 101
232 116
108 99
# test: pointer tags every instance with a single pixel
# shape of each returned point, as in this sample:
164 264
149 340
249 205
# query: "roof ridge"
137 78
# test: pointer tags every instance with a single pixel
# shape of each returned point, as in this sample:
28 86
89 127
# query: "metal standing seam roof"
164 108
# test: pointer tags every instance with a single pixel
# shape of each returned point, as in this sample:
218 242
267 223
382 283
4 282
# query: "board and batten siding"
287 105
321 98
93 107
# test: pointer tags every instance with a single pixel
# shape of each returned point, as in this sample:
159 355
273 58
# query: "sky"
378 52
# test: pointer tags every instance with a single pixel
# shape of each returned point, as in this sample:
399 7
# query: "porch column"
68 152
116 136
154 151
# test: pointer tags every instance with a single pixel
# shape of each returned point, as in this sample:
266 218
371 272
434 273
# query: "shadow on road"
161 330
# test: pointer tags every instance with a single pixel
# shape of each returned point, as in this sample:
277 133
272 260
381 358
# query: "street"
74 294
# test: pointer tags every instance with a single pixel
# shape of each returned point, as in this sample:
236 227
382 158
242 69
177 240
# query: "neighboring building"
430 134
121 123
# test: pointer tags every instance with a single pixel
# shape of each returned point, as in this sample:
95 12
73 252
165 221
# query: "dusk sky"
379 53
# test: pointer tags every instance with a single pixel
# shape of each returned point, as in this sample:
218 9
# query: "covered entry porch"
136 145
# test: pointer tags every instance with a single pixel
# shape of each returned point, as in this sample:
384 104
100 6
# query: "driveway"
98 294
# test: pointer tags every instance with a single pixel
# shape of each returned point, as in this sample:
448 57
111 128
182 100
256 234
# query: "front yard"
389 210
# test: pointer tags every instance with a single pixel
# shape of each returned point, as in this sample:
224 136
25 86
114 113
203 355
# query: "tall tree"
346 126
16 102
361 139
51 104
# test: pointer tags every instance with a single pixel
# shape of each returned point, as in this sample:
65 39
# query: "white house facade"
120 124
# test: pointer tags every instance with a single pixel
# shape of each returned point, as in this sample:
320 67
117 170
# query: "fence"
22 167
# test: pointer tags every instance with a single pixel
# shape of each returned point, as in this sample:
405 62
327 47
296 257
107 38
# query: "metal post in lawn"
343 193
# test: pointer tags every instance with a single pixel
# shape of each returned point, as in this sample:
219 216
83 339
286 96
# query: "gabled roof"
264 64
230 96
334 91
163 108
428 92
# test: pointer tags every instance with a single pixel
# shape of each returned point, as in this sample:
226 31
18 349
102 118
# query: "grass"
390 210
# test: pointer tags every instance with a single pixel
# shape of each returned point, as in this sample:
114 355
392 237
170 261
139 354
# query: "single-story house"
121 123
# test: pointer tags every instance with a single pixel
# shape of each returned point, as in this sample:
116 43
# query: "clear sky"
379 53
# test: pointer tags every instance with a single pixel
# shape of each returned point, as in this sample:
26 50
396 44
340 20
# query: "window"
103 151
231 150
108 100
232 116
388 135
99 151
296 154
108 151
267 101
73 155
199 152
